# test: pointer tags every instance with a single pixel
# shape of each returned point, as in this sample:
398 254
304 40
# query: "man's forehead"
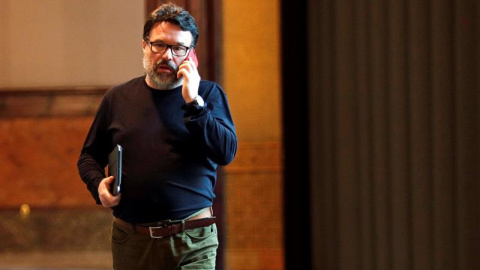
170 31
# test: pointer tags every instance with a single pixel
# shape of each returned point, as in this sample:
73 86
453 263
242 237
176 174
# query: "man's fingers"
116 200
106 197
109 179
108 200
108 182
185 68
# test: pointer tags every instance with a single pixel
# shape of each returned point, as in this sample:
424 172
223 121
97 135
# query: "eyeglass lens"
177 50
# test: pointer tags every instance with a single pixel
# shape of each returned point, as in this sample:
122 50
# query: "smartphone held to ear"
192 56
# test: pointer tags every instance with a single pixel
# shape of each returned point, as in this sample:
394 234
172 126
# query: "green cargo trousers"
190 249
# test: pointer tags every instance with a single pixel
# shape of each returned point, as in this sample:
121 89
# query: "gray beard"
160 81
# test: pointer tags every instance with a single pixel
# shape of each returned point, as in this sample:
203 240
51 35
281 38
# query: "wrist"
196 101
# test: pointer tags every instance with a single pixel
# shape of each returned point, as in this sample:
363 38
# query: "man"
174 129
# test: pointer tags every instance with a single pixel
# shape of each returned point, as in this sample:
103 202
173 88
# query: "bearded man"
175 129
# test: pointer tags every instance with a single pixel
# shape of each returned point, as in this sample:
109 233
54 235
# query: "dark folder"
115 169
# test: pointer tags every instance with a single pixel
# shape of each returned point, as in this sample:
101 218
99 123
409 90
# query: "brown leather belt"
168 229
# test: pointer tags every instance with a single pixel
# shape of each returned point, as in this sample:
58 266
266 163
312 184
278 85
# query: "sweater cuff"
194 109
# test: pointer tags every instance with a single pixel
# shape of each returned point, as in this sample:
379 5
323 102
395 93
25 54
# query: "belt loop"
211 210
183 225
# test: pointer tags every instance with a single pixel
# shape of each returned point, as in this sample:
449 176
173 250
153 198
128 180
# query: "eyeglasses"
161 48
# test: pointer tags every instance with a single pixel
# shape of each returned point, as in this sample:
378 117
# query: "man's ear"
144 44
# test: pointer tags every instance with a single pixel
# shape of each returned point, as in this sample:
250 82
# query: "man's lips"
163 68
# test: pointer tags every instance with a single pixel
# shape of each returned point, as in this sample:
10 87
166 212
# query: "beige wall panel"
252 67
251 72
69 43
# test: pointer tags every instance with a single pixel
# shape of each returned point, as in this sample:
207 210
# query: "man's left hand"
191 80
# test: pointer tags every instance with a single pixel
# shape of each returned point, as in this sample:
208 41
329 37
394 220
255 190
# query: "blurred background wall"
385 159
254 181
373 103
69 43
57 58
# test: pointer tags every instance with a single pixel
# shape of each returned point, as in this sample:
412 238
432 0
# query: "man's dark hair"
173 14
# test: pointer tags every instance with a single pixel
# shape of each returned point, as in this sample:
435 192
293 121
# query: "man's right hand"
106 197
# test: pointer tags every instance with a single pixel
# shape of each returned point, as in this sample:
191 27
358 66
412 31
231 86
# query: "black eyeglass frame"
151 44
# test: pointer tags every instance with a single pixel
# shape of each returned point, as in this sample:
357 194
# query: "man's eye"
159 46
179 49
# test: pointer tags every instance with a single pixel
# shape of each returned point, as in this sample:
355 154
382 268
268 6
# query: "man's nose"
167 54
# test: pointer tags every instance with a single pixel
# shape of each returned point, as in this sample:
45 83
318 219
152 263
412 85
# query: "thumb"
109 179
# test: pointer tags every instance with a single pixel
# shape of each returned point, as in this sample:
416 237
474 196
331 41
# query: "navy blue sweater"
171 151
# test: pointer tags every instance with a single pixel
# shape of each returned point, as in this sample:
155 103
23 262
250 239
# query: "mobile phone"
192 56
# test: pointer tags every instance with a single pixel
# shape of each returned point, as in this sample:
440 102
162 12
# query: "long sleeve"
170 152
94 155
213 126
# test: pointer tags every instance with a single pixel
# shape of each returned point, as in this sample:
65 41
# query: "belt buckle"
151 232
161 224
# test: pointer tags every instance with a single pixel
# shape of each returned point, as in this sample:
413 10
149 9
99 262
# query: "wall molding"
48 102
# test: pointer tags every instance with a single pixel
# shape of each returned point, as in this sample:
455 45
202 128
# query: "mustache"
163 63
